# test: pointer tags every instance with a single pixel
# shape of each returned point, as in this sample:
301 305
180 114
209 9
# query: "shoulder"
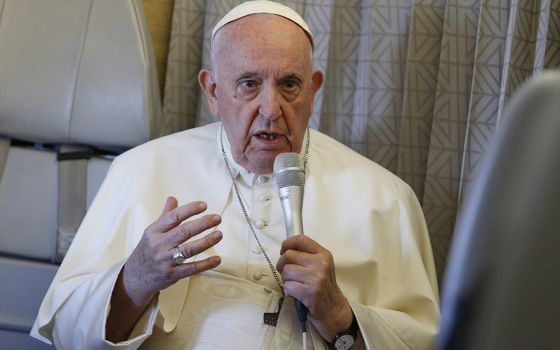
330 158
184 144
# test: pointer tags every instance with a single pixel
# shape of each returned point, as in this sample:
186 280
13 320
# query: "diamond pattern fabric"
418 86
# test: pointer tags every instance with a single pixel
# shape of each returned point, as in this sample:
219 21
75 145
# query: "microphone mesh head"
288 170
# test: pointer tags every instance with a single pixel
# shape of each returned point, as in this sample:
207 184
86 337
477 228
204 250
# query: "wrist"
133 290
134 286
347 338
341 321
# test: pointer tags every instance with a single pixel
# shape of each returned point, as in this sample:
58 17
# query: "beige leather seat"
77 86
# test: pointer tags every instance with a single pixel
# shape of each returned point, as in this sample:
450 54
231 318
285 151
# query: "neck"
261 171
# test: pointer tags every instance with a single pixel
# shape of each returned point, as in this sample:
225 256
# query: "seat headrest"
77 72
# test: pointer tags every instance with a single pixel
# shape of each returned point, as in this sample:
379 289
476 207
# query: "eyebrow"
255 74
247 75
292 76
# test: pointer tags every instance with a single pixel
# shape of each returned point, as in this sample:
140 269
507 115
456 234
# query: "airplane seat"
78 85
501 288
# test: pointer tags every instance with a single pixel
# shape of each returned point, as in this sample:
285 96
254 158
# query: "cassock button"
263 179
260 224
257 276
264 198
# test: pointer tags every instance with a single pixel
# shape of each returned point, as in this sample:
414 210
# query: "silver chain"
237 193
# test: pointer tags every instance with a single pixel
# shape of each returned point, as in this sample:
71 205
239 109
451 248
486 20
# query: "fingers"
174 215
293 257
200 245
189 229
195 267
302 250
298 290
307 270
301 243
170 204
307 278
295 273
302 284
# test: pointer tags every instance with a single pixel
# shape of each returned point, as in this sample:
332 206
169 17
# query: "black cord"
301 314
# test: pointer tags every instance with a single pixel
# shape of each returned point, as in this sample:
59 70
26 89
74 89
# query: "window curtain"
418 86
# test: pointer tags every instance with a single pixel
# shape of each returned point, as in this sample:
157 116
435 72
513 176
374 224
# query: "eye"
247 88
291 84
248 85
290 87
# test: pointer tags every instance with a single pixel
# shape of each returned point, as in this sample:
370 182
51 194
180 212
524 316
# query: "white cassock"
369 220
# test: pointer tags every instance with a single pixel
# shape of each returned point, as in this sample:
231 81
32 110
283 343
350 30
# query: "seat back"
78 85
502 285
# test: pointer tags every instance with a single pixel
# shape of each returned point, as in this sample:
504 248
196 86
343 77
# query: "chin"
264 166
262 158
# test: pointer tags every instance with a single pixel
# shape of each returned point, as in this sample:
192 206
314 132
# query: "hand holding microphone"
304 263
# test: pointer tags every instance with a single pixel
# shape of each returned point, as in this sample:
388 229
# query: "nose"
270 103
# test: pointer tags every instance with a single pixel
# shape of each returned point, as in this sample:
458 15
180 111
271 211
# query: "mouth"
267 136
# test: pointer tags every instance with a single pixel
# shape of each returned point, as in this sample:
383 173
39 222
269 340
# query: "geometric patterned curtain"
417 86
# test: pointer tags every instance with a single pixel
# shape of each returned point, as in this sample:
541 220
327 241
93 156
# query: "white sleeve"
81 320
406 312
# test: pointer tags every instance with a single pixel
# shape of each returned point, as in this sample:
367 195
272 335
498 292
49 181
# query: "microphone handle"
292 199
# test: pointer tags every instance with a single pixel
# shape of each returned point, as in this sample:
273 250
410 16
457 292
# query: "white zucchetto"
263 6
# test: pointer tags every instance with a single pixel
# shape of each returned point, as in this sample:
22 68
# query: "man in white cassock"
206 274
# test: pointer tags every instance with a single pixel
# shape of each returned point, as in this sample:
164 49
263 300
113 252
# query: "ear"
317 80
208 85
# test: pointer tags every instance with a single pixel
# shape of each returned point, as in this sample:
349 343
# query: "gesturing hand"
308 272
150 268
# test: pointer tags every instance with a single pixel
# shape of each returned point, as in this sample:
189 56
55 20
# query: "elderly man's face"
262 88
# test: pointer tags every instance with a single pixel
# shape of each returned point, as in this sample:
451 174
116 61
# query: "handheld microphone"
289 174
290 179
